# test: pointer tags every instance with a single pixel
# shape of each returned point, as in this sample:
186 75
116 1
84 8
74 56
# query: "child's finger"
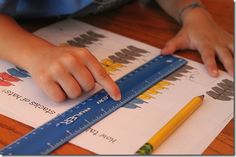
231 47
100 75
52 90
105 80
208 58
67 82
79 72
226 58
177 43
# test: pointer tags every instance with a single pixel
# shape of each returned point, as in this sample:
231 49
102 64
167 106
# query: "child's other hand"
200 32
63 72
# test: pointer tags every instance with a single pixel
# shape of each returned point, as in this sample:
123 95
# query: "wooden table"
149 25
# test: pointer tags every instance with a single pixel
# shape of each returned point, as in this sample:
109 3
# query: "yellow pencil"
173 124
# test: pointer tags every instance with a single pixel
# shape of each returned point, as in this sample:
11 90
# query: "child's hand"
60 71
200 32
68 71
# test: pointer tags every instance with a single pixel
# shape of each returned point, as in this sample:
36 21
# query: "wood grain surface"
148 24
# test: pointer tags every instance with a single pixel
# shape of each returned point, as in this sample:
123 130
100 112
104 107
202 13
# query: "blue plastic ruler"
74 121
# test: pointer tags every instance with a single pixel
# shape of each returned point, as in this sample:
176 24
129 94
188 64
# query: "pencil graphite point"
145 149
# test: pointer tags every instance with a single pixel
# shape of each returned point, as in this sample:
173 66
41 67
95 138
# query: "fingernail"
163 51
118 96
215 73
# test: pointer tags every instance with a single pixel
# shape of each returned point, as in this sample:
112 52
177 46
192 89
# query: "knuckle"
207 44
69 60
208 39
208 54
85 53
55 69
73 89
89 86
43 78
74 93
102 74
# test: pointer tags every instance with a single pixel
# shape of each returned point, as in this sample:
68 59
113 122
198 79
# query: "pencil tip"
202 96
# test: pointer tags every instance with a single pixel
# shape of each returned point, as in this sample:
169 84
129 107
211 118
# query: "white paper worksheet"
125 130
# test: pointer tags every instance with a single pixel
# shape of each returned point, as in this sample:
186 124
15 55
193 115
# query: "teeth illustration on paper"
17 72
224 91
179 73
86 39
12 75
111 66
148 94
121 58
127 55
157 88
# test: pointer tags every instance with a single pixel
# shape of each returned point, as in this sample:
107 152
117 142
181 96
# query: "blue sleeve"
8 6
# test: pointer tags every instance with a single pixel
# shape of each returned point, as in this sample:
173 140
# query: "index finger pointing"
100 75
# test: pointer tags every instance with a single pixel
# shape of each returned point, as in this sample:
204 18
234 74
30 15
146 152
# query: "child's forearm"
17 45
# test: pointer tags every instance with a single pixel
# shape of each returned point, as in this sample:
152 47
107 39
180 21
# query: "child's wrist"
31 54
197 15
191 11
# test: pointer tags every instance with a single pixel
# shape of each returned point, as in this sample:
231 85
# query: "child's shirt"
49 8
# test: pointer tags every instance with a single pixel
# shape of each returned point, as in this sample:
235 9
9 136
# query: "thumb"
179 42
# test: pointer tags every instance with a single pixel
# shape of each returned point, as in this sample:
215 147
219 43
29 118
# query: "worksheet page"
128 128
